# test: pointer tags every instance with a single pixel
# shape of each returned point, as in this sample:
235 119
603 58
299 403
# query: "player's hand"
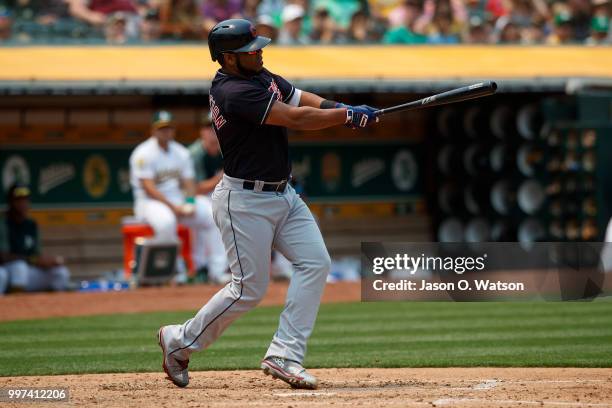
179 211
45 261
360 116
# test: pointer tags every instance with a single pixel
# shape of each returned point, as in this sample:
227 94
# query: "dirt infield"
43 305
408 387
399 387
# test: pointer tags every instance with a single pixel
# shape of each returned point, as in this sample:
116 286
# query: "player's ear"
229 59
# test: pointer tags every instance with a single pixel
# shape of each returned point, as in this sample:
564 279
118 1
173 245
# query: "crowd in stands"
300 22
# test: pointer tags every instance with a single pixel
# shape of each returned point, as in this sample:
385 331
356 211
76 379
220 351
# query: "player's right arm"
305 117
309 118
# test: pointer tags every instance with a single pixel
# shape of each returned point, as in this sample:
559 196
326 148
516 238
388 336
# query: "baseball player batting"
255 207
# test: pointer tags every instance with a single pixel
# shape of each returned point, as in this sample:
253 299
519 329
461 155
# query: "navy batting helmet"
234 35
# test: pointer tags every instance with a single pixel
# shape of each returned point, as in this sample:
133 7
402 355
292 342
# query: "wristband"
190 200
327 104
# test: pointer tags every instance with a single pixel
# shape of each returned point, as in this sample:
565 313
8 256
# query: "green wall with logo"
84 176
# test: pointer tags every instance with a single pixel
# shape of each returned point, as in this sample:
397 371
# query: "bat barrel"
454 95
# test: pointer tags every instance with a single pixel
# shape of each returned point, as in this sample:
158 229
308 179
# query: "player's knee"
166 232
18 274
4 281
253 292
61 277
322 262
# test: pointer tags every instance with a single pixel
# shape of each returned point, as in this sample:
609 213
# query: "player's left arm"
189 186
310 99
206 186
188 183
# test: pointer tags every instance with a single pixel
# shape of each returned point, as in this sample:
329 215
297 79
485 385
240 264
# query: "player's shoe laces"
290 372
175 369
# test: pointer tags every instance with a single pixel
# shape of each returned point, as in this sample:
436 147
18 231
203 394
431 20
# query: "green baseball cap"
600 24
162 119
18 190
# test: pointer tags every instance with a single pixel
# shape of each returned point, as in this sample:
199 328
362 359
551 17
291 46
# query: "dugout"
448 173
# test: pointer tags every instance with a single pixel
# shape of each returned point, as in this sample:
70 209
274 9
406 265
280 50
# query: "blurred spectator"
332 22
602 8
339 11
291 31
404 34
533 34
111 15
181 19
29 270
150 26
273 9
265 27
324 28
478 31
363 29
563 31
476 8
600 25
43 12
580 10
508 32
381 9
5 25
249 9
442 29
115 28
214 11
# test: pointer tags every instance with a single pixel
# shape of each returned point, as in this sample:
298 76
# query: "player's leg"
247 235
30 278
281 267
159 217
208 248
59 278
4 280
18 275
300 240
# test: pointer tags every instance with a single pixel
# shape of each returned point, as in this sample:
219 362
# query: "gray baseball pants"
252 223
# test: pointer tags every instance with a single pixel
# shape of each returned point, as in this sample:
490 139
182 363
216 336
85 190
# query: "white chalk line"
305 394
492 383
556 381
486 385
452 401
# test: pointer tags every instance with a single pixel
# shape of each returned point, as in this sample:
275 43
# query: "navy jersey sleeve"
250 103
287 90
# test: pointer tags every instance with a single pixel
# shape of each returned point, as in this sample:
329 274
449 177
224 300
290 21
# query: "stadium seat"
133 228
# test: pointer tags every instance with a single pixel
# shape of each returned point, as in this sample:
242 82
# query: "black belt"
279 187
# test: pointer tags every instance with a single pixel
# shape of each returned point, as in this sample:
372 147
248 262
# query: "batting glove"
360 116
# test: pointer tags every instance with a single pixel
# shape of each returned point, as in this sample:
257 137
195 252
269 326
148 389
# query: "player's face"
251 61
21 205
165 134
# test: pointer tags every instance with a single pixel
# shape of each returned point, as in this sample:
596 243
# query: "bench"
92 250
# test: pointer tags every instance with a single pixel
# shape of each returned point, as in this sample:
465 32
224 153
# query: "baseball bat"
454 95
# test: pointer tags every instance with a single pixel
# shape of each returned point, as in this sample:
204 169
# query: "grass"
414 334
